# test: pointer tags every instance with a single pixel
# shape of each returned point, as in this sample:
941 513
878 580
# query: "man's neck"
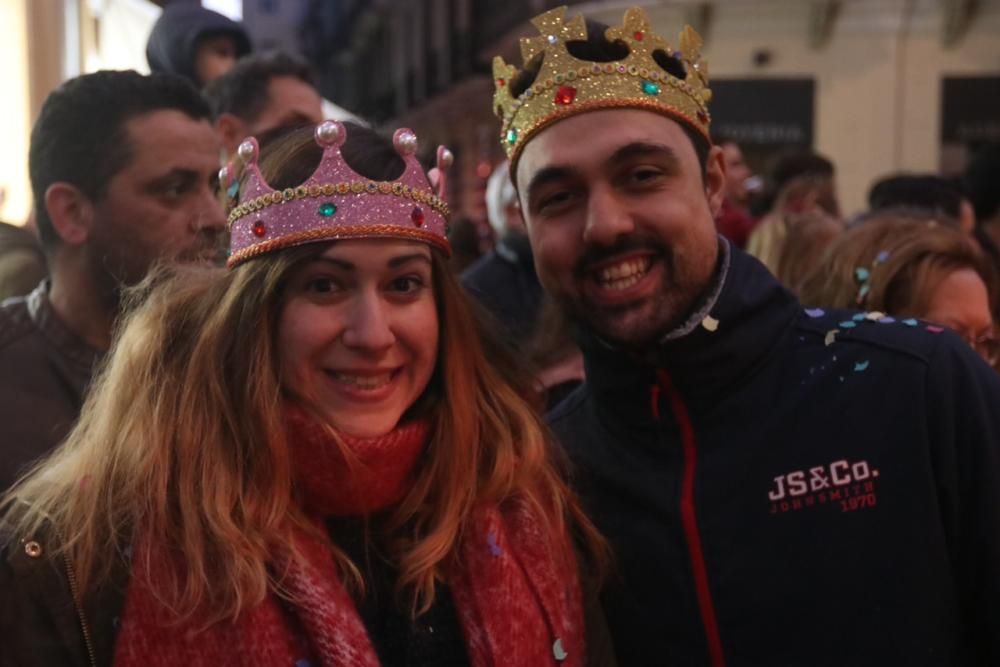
79 302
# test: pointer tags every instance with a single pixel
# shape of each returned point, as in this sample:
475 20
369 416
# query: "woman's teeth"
363 381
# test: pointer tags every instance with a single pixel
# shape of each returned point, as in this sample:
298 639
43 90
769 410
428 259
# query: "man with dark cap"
196 43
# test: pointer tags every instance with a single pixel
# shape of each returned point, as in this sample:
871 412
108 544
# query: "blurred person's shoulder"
16 322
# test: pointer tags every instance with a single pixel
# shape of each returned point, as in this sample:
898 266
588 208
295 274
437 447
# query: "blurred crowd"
125 170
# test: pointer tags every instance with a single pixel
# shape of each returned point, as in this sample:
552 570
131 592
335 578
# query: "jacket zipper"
689 519
79 610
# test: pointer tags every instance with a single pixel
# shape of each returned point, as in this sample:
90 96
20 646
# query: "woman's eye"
406 284
320 285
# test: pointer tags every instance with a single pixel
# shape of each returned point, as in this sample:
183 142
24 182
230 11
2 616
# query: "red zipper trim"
689 519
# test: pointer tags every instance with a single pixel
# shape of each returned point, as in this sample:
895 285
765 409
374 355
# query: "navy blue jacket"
777 494
504 282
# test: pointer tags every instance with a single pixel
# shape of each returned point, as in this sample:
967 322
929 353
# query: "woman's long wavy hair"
906 256
183 439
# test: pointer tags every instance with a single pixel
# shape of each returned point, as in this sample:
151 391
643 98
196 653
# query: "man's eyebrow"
644 149
177 174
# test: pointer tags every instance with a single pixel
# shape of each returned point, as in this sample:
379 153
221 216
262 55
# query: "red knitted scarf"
515 588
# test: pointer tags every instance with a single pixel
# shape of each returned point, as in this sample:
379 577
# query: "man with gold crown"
782 485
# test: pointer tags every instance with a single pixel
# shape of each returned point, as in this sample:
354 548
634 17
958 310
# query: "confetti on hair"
710 323
882 257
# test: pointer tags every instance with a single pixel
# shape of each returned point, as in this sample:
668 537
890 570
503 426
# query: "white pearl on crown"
223 175
327 133
447 159
246 151
408 143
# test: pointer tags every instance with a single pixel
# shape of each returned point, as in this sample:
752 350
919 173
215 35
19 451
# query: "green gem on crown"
327 209
511 136
650 88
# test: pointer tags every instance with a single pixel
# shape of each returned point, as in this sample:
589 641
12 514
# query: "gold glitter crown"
566 85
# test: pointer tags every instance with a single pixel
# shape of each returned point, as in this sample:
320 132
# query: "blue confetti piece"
859 317
887 320
848 324
860 366
491 541
882 256
815 312
862 274
910 322
233 190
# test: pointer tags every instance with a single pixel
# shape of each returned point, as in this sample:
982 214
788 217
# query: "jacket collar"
82 356
750 313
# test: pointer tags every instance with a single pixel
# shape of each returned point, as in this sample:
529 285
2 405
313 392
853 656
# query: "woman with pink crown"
314 456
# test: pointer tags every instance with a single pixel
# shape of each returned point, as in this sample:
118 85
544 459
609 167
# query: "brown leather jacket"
44 371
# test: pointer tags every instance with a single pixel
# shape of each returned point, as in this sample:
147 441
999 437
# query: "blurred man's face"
214 56
737 173
291 102
621 224
162 204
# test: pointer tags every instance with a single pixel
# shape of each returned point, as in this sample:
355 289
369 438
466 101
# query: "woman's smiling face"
358 332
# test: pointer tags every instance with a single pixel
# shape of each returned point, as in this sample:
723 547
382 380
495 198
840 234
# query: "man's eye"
555 200
644 175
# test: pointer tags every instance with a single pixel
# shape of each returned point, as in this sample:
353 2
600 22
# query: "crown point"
405 141
445 158
247 151
329 133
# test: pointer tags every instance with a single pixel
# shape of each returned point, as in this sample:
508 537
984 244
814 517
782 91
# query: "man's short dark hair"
243 90
80 136
933 194
597 48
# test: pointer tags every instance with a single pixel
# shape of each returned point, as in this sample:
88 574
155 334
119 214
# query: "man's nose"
607 218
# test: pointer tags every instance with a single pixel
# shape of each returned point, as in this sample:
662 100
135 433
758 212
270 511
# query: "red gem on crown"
638 35
259 229
565 95
417 216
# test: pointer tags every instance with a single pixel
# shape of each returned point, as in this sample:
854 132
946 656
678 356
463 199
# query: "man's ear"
231 131
715 179
71 213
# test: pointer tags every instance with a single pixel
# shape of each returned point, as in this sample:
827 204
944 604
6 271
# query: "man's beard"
642 323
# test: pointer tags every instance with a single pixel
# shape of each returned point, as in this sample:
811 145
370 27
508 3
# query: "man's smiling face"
621 220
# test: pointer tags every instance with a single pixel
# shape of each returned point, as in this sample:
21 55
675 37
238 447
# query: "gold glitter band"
341 233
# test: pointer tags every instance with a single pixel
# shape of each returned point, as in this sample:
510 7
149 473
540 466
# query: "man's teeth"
623 275
363 381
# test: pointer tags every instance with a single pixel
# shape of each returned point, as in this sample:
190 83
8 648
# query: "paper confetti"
934 329
710 323
910 322
887 320
861 274
860 366
848 324
859 317
491 541
831 336
882 256
815 312
874 316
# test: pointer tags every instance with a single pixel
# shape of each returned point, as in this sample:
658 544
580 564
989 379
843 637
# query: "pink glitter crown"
336 202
